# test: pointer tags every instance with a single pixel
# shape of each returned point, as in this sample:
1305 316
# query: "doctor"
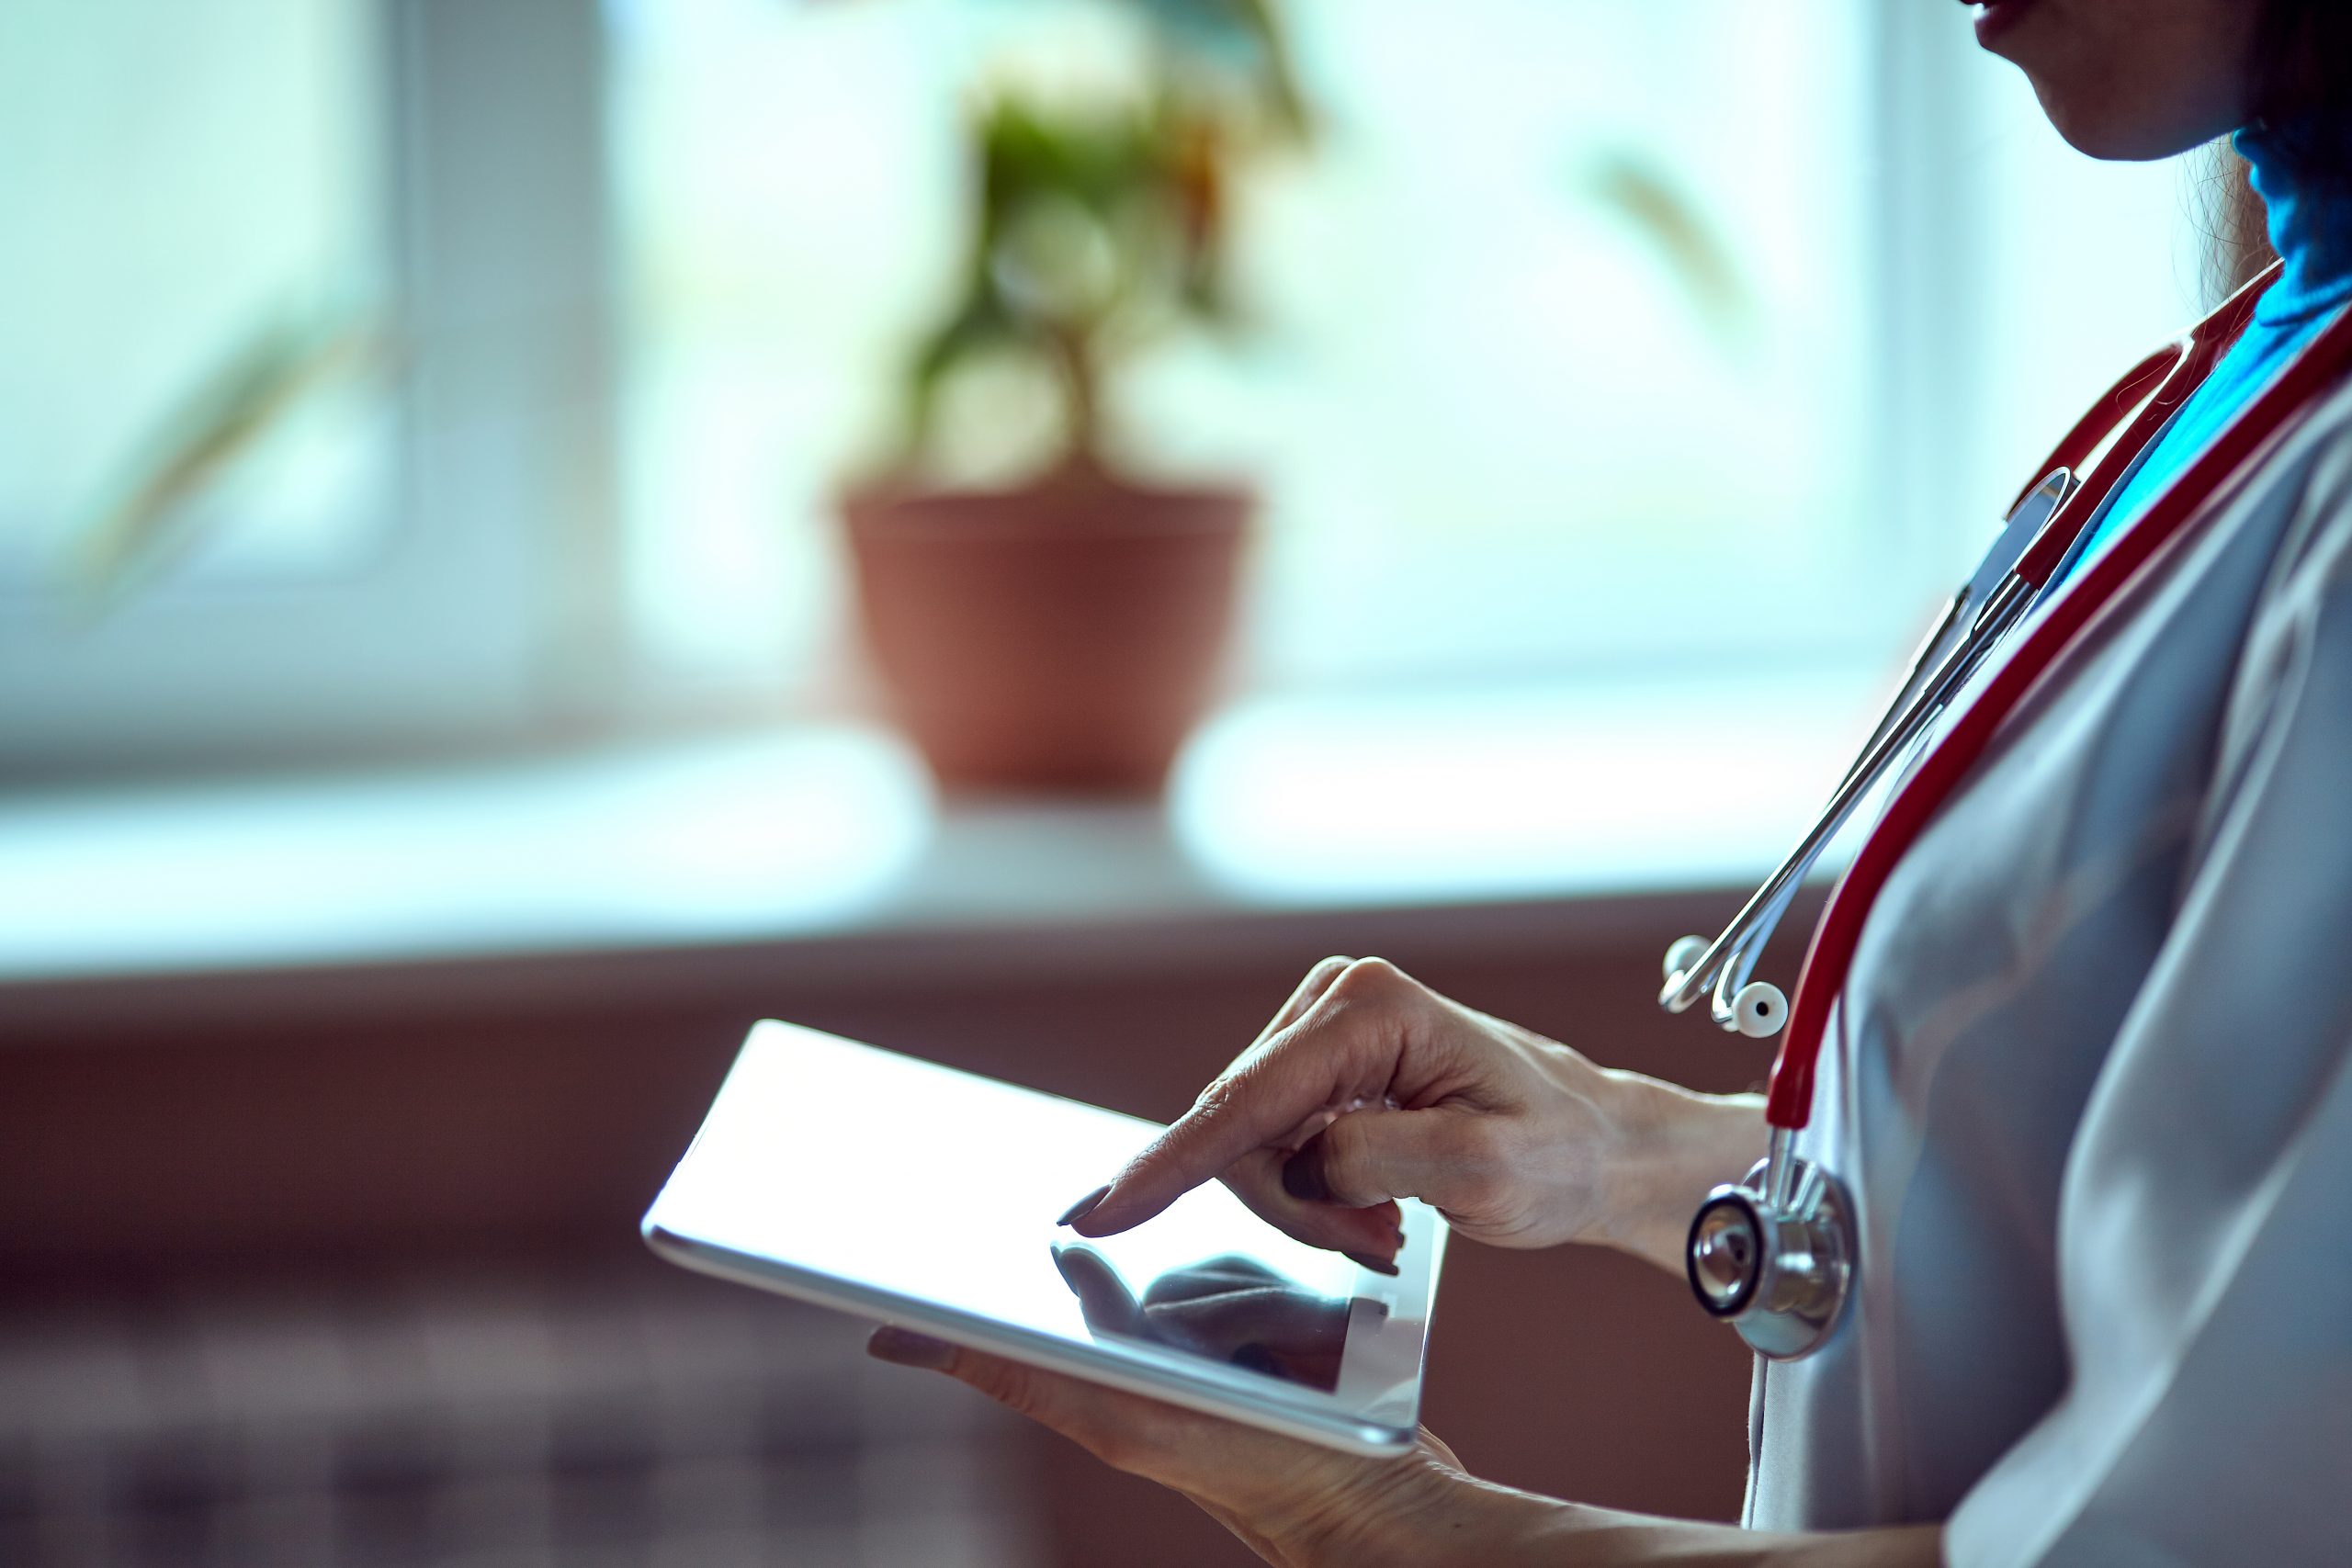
2088 1081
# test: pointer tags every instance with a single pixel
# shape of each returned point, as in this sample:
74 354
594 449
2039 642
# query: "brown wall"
488 1110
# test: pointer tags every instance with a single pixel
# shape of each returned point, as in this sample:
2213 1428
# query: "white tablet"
894 1189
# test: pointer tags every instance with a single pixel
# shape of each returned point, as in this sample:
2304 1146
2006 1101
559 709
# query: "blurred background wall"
536 533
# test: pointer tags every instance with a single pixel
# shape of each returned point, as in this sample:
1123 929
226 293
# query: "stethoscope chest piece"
1776 1265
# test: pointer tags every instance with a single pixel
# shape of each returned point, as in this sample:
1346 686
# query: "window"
1592 340
236 187
404 556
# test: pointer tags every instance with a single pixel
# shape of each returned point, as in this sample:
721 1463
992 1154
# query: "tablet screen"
903 1180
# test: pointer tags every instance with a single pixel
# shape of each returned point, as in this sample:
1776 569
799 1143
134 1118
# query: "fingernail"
1084 1206
1303 1178
905 1348
1367 1260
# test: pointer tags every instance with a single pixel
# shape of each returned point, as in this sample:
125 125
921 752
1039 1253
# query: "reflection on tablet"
1230 1308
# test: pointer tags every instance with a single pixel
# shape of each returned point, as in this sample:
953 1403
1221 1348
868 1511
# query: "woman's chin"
2112 132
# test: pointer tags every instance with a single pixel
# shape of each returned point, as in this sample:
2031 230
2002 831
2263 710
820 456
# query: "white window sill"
1280 806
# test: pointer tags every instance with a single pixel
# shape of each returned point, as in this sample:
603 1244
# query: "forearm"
1456 1519
1567 1536
1674 1145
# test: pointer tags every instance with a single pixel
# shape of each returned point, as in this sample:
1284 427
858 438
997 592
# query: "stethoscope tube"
1774 1254
1731 958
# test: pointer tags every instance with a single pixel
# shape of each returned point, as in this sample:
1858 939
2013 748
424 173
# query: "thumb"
1371 1155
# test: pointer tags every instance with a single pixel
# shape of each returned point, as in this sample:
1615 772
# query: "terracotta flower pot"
1064 636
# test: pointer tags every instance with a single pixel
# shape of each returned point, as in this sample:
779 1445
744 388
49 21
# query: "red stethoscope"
1774 1254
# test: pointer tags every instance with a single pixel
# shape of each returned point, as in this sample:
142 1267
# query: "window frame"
491 612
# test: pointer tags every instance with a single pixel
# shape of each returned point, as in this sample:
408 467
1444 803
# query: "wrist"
1672 1145
1432 1514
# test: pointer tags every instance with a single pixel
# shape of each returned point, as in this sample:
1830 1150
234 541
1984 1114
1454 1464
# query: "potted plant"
1065 632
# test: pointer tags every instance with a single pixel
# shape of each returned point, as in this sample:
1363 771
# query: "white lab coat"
2091 1086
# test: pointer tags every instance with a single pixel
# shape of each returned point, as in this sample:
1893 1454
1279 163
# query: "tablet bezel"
1374 1412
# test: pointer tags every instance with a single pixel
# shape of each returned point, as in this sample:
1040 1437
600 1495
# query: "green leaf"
234 405
1649 201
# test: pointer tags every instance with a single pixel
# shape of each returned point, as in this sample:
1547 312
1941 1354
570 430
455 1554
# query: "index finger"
1239 1114
1313 1068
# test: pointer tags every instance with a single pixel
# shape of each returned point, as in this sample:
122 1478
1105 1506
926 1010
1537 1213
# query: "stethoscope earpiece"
1760 1009
1683 955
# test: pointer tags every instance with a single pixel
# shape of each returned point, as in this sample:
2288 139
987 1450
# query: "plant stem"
1083 391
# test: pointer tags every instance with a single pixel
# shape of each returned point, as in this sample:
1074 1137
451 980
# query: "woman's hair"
2237 229
2302 65
2302 82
